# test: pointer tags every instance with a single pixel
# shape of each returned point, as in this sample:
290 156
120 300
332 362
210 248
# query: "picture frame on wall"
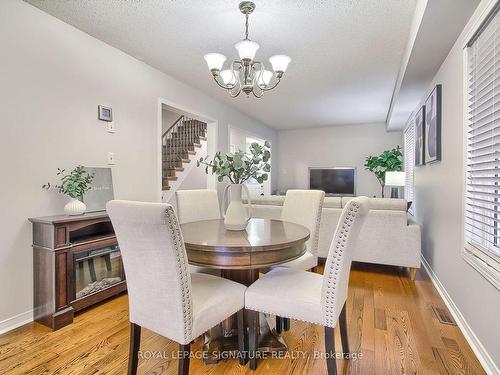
101 190
432 122
420 137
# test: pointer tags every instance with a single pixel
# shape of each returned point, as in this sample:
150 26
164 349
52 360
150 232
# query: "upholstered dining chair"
163 296
302 207
308 296
198 205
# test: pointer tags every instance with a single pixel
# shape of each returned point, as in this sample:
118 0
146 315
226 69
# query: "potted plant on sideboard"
74 185
389 160
238 167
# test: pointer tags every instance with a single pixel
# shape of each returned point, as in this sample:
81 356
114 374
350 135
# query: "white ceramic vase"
237 215
75 207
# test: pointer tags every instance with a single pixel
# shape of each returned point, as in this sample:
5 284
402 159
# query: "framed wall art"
432 120
420 137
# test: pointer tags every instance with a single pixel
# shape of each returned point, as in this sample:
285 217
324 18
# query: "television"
333 181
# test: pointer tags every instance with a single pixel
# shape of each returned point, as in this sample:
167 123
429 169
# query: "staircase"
179 144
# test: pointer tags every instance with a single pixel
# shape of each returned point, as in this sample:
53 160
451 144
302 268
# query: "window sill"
487 271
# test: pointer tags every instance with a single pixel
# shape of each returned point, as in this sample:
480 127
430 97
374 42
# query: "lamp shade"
280 62
228 77
264 77
215 60
395 178
247 49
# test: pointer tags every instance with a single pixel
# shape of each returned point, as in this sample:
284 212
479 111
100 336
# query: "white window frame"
409 163
481 260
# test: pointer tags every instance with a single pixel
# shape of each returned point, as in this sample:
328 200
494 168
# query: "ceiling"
431 44
346 54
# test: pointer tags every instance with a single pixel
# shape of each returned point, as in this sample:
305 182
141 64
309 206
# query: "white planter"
237 215
75 207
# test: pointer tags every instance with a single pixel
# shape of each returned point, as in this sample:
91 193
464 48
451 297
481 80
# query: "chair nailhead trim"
182 269
341 238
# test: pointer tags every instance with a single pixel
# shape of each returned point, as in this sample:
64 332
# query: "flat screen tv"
333 181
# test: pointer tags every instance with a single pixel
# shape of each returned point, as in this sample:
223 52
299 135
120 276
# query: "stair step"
179 169
165 187
172 178
191 152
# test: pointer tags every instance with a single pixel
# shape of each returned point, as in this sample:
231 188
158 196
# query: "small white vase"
75 207
237 215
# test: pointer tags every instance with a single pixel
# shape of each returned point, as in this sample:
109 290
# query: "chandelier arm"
278 80
235 94
258 95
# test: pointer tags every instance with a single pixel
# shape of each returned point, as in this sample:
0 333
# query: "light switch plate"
111 127
111 158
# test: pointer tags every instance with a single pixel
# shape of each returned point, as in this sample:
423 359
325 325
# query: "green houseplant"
389 160
73 184
238 167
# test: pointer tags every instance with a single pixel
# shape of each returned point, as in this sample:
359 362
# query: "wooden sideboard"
76 263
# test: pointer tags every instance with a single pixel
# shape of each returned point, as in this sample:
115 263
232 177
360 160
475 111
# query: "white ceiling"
432 43
346 54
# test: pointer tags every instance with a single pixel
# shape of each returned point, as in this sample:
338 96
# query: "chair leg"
253 339
343 331
184 359
286 324
135 343
331 364
279 324
241 337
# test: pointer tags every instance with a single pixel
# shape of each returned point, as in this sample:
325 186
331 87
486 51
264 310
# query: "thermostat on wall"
105 113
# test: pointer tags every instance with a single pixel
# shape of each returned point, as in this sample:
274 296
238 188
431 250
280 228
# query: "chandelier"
246 74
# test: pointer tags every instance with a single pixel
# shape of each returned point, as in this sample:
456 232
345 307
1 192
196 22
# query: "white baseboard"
16 321
482 355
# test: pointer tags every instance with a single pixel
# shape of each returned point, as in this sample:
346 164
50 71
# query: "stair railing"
177 141
171 142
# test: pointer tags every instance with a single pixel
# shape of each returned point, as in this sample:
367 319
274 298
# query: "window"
409 160
482 191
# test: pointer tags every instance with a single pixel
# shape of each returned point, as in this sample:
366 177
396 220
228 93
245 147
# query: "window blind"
482 192
409 159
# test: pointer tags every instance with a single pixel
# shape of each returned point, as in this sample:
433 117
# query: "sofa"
386 237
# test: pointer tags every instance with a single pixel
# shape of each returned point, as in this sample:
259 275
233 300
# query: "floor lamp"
396 180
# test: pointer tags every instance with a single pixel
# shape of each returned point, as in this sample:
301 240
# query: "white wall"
438 208
334 146
52 77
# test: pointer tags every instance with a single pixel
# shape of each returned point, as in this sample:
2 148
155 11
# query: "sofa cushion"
332 202
393 204
271 200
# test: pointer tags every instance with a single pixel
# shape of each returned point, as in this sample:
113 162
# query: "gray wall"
438 208
52 78
334 146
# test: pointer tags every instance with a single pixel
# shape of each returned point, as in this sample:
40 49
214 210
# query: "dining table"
243 256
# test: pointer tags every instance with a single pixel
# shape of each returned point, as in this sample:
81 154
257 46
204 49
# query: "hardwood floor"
391 322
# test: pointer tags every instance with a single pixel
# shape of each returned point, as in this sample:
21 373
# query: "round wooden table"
241 255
